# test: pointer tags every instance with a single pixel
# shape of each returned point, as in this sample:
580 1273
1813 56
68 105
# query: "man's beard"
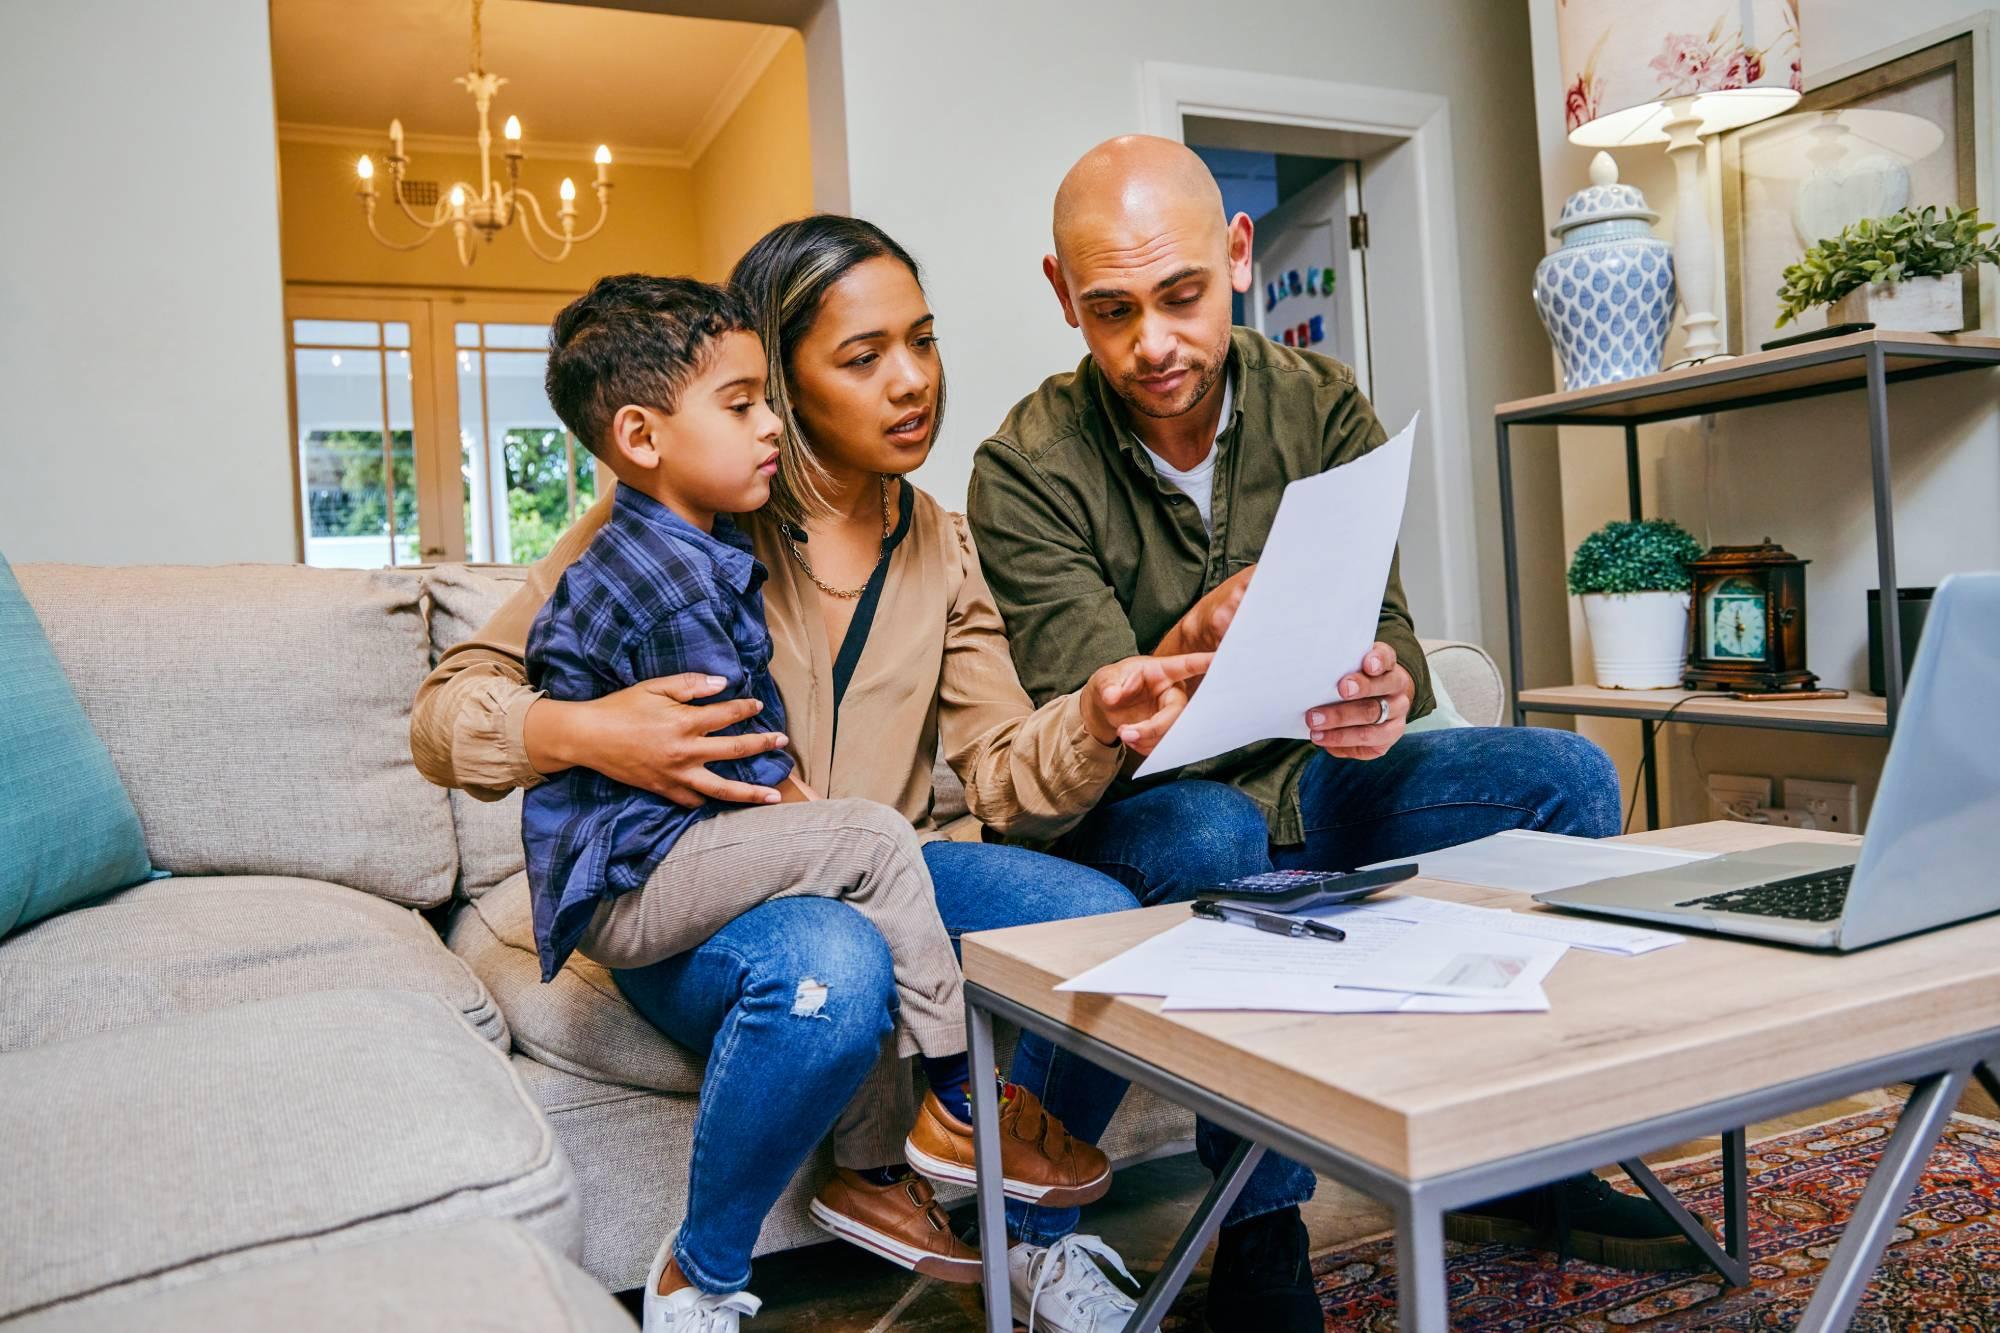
1206 372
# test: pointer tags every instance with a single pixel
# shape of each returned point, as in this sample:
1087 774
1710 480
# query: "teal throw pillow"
68 832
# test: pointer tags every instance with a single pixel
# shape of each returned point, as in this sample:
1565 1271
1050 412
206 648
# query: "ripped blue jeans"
789 1004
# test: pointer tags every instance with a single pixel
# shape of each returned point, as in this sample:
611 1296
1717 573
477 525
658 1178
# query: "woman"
886 644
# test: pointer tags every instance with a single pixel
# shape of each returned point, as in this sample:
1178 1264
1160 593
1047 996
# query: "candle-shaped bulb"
365 168
458 196
567 190
602 157
512 129
396 136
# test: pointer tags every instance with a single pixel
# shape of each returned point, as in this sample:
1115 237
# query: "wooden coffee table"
1429 1113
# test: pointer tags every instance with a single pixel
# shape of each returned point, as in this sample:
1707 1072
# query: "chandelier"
492 208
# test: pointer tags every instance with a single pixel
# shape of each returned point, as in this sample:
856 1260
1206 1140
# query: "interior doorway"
1377 210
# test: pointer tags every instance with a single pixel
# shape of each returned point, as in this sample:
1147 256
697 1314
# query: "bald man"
1121 508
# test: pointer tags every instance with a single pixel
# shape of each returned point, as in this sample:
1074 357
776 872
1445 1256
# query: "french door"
421 431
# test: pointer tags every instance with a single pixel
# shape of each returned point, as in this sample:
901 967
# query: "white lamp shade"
1623 59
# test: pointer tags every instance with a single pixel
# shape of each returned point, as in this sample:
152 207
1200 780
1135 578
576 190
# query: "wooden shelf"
1828 366
1856 715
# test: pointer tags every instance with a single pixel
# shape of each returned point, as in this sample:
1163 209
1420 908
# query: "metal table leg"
1733 1270
1903 1159
986 1161
1736 1195
1423 1297
1200 1230
1989 1078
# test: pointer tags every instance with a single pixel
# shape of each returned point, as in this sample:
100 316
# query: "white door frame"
1422 121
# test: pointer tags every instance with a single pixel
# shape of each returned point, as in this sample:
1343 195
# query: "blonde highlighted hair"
785 276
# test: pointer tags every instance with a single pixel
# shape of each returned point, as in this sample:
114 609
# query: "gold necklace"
845 594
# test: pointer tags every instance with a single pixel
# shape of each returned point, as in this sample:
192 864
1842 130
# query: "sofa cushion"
186 945
579 1022
156 1155
1468 676
488 1275
259 716
462 600
78 836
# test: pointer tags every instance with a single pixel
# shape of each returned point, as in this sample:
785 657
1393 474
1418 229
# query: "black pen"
1277 923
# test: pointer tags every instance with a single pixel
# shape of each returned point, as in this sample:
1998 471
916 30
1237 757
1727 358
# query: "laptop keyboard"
1820 896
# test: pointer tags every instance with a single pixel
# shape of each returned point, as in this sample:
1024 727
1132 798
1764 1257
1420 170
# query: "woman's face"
864 379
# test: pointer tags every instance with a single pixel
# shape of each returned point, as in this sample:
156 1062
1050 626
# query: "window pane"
479 490
341 332
530 451
402 435
534 336
395 334
346 496
467 335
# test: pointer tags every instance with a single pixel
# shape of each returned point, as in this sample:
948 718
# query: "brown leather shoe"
1039 1161
901 1221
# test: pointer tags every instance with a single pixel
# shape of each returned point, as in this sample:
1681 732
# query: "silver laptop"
1932 853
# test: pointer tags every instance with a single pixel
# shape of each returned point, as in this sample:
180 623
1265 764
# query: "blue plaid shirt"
652 595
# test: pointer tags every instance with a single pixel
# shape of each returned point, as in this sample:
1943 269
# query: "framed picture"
1898 135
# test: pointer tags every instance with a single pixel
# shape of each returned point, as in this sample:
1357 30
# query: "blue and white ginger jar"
1607 296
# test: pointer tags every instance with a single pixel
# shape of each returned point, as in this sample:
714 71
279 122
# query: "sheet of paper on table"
1598 936
1533 1000
1309 615
1531 862
1216 957
1436 959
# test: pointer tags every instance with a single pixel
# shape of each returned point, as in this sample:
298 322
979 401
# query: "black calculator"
1303 890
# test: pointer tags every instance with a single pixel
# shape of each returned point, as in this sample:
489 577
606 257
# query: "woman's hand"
653 736
1136 700
1200 630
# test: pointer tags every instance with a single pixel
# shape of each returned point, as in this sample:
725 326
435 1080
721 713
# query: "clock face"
1733 621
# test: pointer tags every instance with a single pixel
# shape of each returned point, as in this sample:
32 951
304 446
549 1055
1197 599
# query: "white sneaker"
691 1310
1063 1287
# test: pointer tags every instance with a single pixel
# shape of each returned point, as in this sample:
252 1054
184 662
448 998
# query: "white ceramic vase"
1915 305
1638 640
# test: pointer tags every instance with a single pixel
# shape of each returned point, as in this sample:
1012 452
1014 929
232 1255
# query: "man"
1121 508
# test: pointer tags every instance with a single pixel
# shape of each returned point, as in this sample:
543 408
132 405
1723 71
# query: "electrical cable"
1639 774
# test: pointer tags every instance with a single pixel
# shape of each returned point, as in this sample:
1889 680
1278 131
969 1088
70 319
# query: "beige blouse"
935 670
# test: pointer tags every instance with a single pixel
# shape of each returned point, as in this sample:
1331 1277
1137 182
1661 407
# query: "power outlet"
1732 796
1833 807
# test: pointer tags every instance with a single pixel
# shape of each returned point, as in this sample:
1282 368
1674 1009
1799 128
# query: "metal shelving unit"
1870 362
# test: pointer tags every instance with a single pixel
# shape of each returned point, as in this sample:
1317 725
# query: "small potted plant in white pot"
1903 272
1633 579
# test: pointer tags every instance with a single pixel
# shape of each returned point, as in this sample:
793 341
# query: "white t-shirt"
1198 482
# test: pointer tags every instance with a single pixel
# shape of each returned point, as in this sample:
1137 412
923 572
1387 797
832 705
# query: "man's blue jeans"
1433 789
778 1077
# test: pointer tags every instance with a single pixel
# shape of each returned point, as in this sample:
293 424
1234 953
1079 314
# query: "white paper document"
1310 612
1529 1001
1598 936
1220 958
1453 960
1535 862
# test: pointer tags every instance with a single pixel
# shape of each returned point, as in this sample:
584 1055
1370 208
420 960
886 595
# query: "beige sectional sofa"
326 1031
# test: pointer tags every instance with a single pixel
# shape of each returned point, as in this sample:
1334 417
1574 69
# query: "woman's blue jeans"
779 1073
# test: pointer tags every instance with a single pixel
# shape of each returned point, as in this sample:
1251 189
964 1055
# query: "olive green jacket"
1093 558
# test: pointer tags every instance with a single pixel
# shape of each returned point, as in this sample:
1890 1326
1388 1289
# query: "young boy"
663 379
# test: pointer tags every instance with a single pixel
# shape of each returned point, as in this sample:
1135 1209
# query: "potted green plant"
1904 271
1633 579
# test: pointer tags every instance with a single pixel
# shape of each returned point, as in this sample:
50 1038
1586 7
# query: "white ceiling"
653 86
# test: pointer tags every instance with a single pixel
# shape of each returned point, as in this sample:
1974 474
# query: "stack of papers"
1401 955
1529 862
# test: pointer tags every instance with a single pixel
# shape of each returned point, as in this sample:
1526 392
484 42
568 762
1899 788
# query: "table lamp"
1647 71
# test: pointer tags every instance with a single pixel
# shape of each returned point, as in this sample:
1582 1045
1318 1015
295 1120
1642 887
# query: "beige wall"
1797 472
141 336
652 227
961 119
757 171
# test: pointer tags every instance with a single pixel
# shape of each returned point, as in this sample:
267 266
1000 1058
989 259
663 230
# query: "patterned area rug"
1941 1273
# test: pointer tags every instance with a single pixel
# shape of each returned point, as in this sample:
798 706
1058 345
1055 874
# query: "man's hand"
1201 629
653 736
1355 726
1136 700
